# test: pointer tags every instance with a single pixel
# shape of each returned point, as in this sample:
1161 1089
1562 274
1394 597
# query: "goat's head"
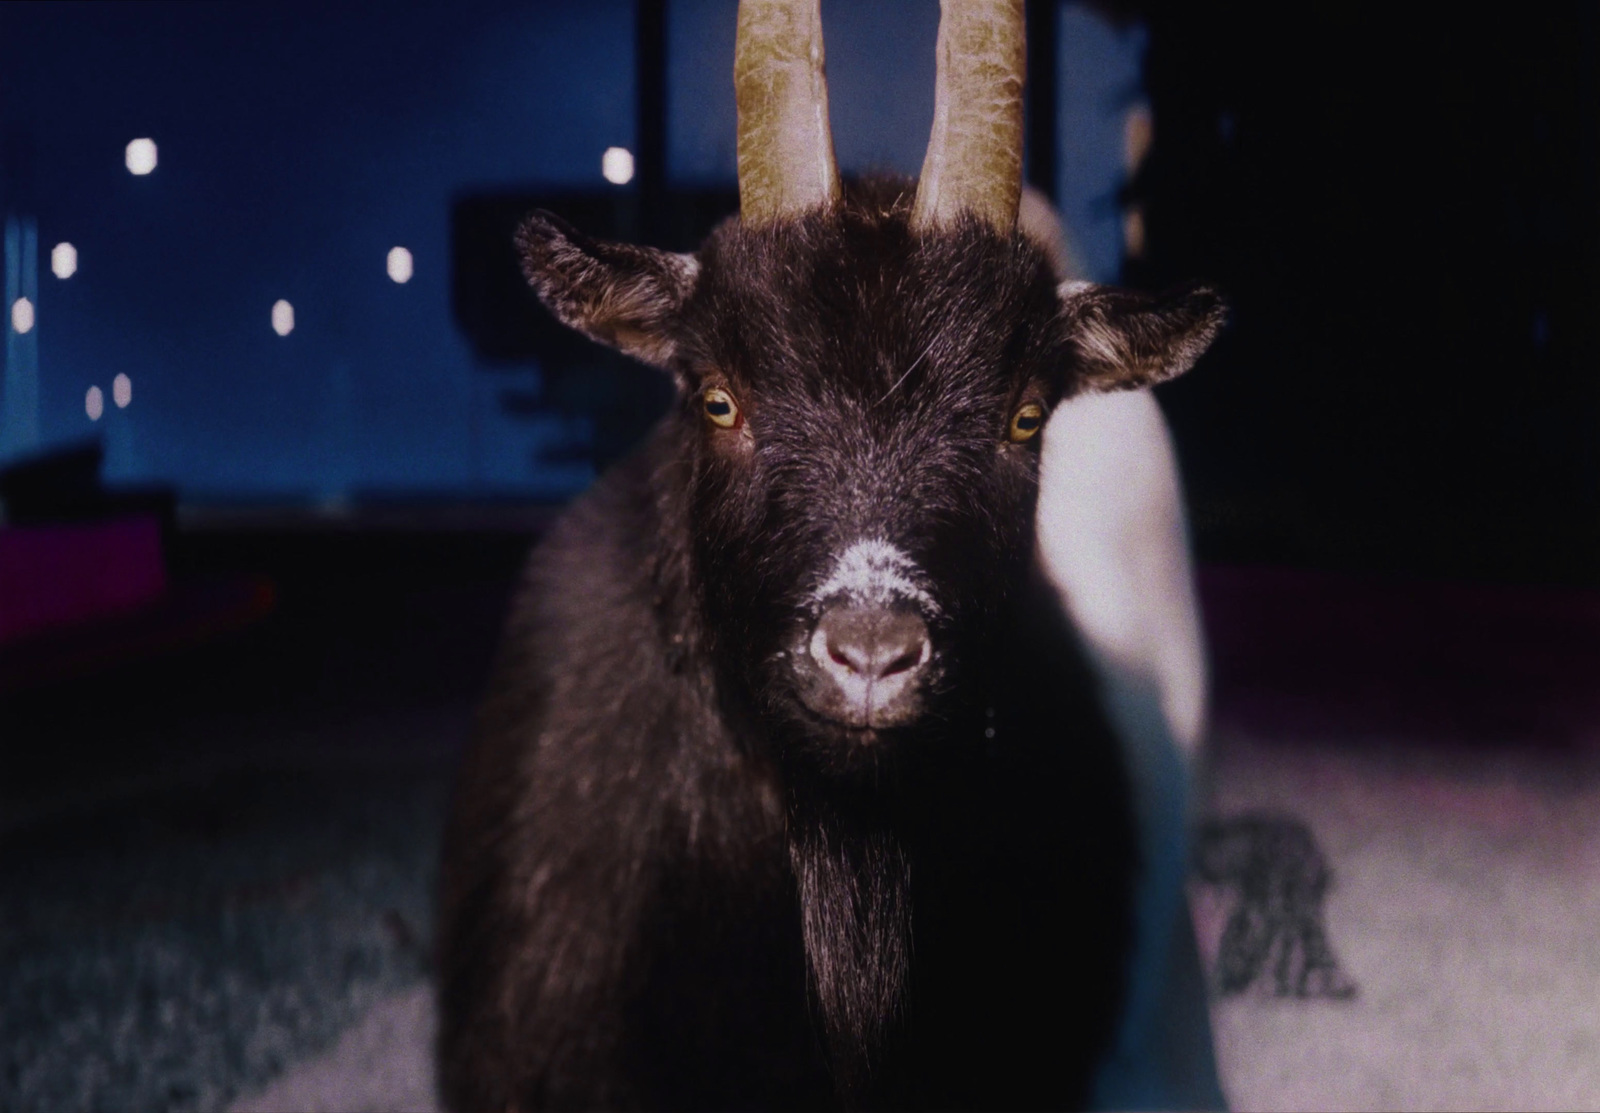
863 376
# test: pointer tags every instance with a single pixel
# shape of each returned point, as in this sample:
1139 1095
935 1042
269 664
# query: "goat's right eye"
721 410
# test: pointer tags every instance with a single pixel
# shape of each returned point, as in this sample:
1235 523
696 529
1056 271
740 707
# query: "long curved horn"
786 160
974 161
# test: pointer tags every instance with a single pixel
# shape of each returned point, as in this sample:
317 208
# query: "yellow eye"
1027 421
720 407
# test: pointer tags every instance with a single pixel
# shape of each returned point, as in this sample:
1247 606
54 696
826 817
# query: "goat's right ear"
622 295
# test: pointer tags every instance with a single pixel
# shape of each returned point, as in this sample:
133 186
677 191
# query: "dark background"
1403 207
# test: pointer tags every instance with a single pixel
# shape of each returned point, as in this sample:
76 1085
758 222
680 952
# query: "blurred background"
279 420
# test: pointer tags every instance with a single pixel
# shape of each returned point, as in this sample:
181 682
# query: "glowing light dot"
616 165
63 260
400 264
140 156
22 315
282 317
94 403
122 391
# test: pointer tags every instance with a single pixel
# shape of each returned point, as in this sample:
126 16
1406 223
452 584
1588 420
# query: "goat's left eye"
1027 421
721 410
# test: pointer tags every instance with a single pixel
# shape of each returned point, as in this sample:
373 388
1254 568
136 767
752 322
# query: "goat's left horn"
974 161
786 162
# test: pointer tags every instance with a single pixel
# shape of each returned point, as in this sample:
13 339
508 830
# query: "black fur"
669 884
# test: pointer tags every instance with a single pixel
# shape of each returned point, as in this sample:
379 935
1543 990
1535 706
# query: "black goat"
793 788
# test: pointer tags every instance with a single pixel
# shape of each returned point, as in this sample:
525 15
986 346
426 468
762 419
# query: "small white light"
122 391
141 156
63 260
94 403
616 165
400 264
282 317
22 315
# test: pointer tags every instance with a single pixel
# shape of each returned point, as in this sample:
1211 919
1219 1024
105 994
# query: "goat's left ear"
1125 340
624 296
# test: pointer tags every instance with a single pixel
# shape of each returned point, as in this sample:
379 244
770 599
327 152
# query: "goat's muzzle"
866 666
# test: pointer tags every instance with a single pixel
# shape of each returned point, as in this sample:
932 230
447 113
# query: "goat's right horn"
974 161
786 163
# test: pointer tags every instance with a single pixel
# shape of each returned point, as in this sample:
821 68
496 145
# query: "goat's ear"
625 296
1125 340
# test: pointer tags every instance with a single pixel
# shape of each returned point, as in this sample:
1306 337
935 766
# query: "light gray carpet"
178 948
1466 908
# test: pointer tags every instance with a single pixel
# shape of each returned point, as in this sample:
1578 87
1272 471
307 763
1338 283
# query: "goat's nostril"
907 660
854 658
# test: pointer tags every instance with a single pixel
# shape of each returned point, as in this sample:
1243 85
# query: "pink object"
63 575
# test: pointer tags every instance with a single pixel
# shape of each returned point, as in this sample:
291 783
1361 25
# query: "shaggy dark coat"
668 882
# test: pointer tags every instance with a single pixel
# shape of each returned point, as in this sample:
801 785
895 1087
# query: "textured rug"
183 947
1461 907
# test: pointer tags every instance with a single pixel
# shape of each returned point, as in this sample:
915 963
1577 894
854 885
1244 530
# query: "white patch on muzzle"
873 573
